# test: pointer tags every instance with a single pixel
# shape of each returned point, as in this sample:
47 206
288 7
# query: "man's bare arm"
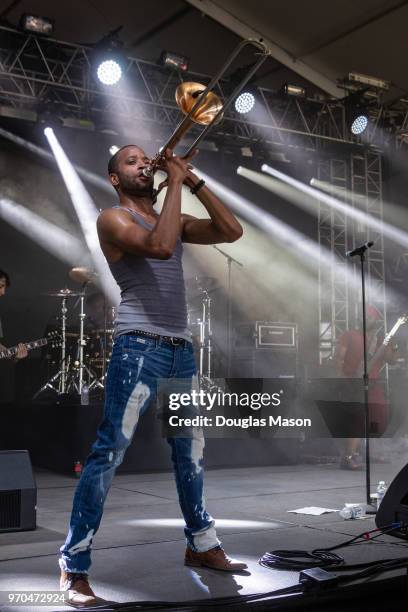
115 226
222 225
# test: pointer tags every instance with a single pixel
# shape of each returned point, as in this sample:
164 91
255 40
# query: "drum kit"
84 351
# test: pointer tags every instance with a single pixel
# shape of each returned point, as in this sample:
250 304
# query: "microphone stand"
230 260
360 251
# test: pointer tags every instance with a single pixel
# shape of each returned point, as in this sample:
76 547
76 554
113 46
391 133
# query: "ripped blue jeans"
137 363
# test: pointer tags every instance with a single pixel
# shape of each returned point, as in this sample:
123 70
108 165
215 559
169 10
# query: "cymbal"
201 283
82 275
63 293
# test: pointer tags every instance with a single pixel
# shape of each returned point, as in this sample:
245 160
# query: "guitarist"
4 284
348 360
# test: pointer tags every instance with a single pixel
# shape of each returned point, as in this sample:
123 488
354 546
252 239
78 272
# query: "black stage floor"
138 551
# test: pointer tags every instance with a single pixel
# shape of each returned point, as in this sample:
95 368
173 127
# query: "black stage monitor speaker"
18 491
394 506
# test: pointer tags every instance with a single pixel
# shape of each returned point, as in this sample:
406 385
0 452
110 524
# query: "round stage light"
109 72
244 103
359 124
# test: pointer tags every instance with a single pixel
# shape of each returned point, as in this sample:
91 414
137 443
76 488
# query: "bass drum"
99 350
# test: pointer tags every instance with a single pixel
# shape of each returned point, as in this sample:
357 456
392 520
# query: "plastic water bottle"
77 469
381 489
85 395
351 512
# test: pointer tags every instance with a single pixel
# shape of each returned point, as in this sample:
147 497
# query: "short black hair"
114 160
4 275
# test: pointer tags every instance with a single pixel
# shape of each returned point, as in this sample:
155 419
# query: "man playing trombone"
152 342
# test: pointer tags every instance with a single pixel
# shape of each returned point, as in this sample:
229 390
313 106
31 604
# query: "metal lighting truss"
35 70
366 186
339 302
334 307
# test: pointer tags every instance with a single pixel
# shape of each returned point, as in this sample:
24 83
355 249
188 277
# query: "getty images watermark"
191 403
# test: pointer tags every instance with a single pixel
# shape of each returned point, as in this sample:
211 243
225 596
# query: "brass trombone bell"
186 97
201 105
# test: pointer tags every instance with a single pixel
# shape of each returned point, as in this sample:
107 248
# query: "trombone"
201 105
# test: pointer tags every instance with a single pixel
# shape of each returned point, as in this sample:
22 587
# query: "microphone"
360 249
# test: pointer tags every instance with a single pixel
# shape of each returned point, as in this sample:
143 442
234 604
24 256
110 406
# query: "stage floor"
138 551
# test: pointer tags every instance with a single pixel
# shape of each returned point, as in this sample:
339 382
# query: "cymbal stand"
81 342
205 361
61 375
76 377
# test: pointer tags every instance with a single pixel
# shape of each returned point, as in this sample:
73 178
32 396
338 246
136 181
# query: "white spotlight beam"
295 195
276 186
50 237
393 233
306 249
395 215
87 214
91 177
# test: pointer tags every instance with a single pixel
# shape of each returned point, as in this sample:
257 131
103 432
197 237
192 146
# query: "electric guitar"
53 339
379 353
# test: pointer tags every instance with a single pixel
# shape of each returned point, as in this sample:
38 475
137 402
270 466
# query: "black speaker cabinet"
264 363
18 492
394 506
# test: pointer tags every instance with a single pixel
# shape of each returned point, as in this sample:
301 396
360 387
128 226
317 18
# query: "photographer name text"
244 423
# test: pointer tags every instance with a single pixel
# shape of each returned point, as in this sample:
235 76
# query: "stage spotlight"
294 90
244 103
108 59
37 24
50 113
359 124
173 60
113 149
109 72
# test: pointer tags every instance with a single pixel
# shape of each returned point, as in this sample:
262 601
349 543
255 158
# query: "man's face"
129 176
3 286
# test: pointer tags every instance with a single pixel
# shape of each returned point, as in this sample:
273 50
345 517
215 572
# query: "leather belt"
174 340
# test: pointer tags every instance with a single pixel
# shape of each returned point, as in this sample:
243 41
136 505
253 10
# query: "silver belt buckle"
175 341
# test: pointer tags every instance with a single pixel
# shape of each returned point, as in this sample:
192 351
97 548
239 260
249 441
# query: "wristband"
197 186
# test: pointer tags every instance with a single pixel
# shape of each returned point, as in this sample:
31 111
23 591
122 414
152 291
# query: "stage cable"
324 558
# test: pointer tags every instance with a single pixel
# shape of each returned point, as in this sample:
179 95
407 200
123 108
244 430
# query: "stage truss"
38 73
339 291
